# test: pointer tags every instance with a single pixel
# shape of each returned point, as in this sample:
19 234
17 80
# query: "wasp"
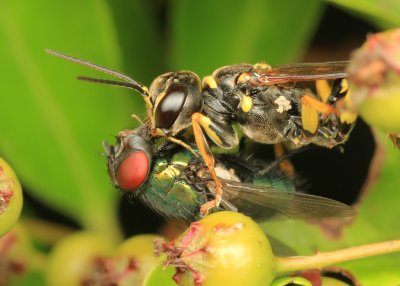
269 104
175 183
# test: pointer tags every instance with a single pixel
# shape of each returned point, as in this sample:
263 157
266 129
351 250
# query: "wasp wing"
303 72
268 203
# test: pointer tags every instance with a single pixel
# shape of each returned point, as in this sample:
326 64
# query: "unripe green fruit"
10 197
374 74
17 256
225 248
383 109
72 259
139 250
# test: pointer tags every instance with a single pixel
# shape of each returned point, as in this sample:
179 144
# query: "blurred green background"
51 125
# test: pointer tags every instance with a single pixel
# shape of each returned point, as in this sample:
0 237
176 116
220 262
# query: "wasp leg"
285 165
310 107
159 133
293 131
183 144
205 151
137 118
319 106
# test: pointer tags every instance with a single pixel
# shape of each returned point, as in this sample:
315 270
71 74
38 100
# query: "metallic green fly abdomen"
168 190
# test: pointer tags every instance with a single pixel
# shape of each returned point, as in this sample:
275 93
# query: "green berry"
224 248
76 258
10 197
374 73
137 250
17 256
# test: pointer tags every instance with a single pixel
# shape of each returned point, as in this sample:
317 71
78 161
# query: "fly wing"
303 72
268 203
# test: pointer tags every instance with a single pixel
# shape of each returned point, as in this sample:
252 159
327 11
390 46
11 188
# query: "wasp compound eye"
132 172
170 106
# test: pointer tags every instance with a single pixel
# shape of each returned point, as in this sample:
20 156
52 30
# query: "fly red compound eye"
132 172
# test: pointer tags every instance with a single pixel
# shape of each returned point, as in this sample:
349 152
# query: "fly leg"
200 121
285 165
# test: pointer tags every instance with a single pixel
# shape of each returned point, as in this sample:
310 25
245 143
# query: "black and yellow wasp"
269 104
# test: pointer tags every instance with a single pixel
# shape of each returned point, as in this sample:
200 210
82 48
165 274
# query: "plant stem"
322 259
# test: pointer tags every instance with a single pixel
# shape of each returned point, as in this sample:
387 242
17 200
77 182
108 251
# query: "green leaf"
51 124
139 38
208 34
377 220
384 14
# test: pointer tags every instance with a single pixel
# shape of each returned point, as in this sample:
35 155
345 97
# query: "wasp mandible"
269 104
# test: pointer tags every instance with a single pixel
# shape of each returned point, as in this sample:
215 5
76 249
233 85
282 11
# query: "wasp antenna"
114 82
139 87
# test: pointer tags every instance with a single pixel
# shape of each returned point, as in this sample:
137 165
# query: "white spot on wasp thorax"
283 104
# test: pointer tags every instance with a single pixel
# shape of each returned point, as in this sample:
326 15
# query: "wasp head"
175 96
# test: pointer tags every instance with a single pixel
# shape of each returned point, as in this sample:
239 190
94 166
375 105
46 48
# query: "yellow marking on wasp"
243 78
210 82
309 112
247 103
149 106
323 89
347 99
262 66
309 118
205 123
158 100
345 86
348 116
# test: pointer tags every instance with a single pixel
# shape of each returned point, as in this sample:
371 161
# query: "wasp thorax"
175 96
